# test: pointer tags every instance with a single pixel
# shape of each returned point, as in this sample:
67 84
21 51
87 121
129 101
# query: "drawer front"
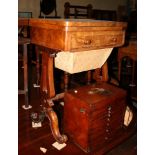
102 132
96 40
113 122
102 140
109 109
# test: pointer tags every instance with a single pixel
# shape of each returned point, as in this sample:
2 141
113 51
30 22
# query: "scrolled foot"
54 126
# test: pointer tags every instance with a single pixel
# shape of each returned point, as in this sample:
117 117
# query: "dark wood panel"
91 133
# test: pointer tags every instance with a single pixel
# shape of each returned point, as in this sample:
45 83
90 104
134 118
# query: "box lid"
95 93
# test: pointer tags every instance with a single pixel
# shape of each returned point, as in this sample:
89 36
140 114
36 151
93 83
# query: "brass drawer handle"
109 115
87 42
109 108
107 130
84 41
108 119
113 39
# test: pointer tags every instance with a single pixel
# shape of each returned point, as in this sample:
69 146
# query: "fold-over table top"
75 23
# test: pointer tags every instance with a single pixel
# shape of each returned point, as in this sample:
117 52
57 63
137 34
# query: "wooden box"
94 115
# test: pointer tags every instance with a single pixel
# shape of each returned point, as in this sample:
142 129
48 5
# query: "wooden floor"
31 139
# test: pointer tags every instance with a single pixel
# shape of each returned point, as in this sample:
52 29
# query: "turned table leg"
24 42
48 89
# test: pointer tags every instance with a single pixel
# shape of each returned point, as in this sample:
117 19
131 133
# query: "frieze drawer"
96 40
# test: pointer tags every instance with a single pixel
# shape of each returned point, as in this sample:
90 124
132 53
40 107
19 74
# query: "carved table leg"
47 86
50 77
54 126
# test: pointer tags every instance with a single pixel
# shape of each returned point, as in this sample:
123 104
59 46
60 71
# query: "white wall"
34 5
30 6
